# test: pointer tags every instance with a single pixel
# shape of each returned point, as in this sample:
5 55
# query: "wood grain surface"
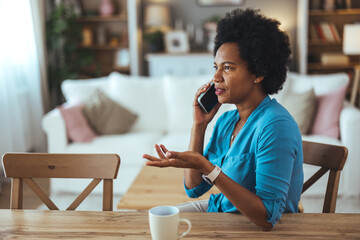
158 186
36 224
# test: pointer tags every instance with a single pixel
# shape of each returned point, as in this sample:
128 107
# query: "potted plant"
155 41
210 26
65 57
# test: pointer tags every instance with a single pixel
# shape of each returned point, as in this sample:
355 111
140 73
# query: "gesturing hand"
186 159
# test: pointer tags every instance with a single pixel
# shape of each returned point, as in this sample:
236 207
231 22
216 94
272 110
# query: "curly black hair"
261 44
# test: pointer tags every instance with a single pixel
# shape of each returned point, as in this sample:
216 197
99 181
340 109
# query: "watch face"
207 179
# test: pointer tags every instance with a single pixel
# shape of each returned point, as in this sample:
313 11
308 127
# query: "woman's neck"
245 109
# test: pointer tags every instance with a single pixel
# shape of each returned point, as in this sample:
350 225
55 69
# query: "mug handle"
189 227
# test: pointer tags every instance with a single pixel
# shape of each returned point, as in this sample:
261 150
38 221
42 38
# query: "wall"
283 10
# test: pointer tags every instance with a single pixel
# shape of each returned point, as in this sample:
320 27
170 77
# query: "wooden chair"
22 167
330 158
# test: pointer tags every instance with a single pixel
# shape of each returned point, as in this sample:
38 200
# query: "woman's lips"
219 91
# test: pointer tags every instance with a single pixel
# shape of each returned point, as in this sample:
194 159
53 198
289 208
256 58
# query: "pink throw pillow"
77 127
326 121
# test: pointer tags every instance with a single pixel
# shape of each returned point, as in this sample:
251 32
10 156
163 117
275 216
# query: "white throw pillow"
143 96
179 95
283 93
322 84
80 90
302 108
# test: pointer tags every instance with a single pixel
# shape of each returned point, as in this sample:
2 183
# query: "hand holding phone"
208 99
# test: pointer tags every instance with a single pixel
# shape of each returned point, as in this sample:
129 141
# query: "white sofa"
164 109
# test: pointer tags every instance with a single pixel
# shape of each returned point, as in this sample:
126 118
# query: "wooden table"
157 186
36 224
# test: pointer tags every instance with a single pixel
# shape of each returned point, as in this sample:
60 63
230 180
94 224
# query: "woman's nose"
217 76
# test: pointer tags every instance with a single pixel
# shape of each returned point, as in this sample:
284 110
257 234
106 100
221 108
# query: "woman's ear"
258 79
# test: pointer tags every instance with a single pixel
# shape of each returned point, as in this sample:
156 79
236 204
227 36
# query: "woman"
254 156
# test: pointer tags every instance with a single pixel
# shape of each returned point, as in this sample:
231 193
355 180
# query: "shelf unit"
310 50
102 18
115 26
315 48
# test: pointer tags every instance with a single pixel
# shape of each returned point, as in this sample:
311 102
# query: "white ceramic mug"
164 223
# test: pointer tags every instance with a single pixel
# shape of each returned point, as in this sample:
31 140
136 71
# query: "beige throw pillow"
302 107
106 116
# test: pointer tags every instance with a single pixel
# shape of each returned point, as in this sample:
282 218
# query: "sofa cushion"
142 95
323 85
322 139
285 91
106 116
76 91
302 108
327 118
77 127
177 141
330 92
179 97
130 147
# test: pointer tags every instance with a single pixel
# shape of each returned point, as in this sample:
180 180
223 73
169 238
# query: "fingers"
172 154
173 162
163 148
161 163
172 159
201 90
156 162
159 151
151 158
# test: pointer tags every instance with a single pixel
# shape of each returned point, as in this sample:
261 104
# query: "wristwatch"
210 178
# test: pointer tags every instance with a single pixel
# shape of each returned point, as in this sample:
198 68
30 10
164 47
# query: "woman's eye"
227 67
215 67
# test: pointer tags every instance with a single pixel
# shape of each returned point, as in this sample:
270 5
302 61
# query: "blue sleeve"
275 157
210 153
197 191
203 187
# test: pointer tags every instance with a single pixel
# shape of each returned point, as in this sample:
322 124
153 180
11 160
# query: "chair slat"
314 178
325 155
40 193
330 158
84 194
42 165
16 193
22 167
331 192
108 195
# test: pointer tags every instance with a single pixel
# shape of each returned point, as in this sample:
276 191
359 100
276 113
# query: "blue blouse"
265 157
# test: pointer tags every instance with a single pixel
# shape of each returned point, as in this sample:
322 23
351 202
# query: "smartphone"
208 99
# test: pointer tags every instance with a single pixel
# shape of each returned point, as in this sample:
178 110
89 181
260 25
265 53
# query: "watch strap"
210 178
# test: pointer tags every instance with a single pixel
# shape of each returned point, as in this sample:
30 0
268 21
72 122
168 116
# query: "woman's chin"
222 100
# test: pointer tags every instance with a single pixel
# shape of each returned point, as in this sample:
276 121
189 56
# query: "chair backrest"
329 158
23 167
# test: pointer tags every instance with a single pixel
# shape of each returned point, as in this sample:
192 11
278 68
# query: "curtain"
38 15
21 82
